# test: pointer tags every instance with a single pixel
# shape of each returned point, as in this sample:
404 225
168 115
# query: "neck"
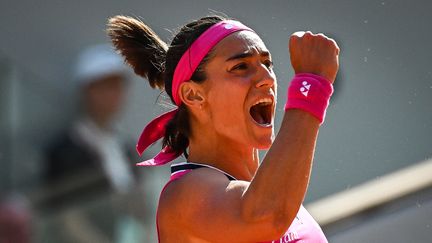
236 159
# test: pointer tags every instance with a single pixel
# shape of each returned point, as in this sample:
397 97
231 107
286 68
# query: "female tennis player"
219 74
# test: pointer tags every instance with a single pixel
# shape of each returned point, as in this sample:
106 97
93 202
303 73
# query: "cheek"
233 90
227 103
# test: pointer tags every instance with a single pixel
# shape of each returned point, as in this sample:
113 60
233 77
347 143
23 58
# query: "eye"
240 66
269 64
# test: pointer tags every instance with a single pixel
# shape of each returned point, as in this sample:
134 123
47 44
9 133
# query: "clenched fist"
314 53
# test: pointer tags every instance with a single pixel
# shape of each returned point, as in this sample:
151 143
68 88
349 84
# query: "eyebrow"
247 54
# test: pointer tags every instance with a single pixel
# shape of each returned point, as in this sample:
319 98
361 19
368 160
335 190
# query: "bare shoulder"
194 194
197 184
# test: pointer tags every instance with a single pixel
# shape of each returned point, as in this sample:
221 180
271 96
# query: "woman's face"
241 90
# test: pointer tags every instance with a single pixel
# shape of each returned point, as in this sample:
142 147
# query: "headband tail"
164 156
154 131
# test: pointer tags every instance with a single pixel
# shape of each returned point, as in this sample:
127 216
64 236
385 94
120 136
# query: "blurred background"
372 175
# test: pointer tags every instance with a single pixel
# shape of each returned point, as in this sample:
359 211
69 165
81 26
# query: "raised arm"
278 189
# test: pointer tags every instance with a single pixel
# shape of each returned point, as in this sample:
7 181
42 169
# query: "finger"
294 38
323 36
308 35
298 34
335 45
331 40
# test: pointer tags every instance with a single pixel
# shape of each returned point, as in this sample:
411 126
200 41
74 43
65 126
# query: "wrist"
310 93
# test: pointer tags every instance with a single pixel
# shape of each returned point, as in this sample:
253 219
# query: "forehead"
239 42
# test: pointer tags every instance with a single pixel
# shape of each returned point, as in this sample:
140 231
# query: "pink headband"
187 65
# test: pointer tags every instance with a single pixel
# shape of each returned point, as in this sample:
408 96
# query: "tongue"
256 115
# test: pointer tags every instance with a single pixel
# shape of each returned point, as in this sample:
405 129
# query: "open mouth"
261 112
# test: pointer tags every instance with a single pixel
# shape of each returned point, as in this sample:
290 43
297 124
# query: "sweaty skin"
261 205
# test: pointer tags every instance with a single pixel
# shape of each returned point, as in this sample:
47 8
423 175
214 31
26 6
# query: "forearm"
278 188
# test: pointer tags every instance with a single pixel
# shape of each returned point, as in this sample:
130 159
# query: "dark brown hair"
152 59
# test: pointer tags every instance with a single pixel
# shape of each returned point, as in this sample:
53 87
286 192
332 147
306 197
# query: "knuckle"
298 34
294 37
322 35
334 44
308 34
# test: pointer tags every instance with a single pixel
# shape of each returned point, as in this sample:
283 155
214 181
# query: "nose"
266 77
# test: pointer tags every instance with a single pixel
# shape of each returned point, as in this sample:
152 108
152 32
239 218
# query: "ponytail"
142 49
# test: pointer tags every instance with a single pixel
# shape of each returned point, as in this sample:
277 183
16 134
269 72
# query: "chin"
265 142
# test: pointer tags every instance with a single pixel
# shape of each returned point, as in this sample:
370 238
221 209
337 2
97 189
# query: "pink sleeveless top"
303 229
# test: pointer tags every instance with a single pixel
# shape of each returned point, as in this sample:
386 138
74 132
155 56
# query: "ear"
192 94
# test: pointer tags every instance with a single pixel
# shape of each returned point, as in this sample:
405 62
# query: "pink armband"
311 93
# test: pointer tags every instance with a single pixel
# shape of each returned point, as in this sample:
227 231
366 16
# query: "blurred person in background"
90 158
91 144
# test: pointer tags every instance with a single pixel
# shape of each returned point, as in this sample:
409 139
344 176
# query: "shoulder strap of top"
178 168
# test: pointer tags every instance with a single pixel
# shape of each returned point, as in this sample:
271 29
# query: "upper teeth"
264 100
